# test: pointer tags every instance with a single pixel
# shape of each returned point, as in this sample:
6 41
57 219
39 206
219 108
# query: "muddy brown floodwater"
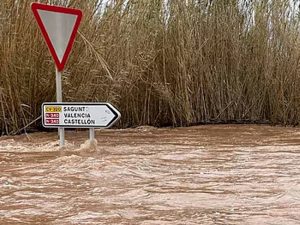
225 174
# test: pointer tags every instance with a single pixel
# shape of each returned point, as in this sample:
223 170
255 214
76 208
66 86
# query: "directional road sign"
79 115
59 26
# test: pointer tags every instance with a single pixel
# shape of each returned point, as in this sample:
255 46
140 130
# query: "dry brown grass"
192 63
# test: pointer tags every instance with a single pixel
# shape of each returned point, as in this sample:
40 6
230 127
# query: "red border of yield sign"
37 6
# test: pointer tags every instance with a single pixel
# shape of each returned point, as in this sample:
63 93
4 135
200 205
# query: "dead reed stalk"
160 62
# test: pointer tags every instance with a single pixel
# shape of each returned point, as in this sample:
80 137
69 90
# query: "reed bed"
162 63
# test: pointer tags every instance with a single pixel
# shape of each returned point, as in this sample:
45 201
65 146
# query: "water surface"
225 174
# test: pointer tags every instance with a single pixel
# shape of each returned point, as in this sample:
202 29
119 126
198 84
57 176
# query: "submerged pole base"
61 133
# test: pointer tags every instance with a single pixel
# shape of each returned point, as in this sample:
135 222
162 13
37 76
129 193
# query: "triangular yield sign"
59 26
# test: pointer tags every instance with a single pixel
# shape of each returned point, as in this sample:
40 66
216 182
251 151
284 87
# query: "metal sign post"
59 26
61 131
92 135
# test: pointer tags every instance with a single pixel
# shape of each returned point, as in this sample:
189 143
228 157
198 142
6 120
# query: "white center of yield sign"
59 27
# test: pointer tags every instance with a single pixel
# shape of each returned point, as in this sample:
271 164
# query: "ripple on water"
198 175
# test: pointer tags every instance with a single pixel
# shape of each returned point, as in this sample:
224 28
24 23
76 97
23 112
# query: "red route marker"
52 115
52 121
52 34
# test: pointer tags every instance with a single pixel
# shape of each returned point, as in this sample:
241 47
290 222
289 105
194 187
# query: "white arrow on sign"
79 115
